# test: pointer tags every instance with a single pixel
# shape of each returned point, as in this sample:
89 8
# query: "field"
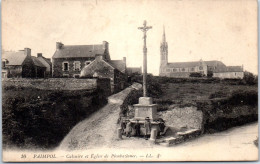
188 93
207 103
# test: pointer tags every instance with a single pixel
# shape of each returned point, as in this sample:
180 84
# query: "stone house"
230 72
22 64
39 68
17 64
68 60
103 69
88 61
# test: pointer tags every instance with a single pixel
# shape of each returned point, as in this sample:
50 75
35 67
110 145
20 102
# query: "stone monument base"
145 108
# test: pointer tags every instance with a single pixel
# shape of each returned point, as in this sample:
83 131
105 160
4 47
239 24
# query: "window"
3 64
76 65
168 70
87 62
65 66
192 69
66 75
76 75
183 69
174 70
201 68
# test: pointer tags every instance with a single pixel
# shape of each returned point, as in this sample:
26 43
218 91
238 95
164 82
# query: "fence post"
119 133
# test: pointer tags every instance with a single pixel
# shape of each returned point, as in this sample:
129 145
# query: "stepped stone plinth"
145 108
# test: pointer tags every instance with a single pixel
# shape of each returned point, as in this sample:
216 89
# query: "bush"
241 97
196 74
250 78
218 94
33 121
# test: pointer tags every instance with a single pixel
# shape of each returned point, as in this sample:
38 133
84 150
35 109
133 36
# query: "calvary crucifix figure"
144 29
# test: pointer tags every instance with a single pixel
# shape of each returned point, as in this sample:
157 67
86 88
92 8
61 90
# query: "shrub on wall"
250 78
222 113
41 118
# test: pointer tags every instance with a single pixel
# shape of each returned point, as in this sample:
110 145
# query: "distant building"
17 64
21 64
230 72
104 69
88 61
68 61
47 63
134 70
39 68
212 68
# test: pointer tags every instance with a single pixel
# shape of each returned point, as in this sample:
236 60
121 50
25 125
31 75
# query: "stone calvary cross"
145 29
145 108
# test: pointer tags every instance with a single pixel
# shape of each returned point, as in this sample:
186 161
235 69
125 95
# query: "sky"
202 29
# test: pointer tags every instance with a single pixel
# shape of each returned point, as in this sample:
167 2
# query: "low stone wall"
59 83
180 137
219 116
126 97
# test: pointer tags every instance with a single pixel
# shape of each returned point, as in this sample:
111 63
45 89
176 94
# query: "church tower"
164 52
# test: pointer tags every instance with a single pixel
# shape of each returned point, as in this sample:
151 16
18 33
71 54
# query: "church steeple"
164 49
164 37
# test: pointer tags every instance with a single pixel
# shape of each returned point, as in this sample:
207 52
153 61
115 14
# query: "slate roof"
90 69
184 64
14 58
75 51
42 59
215 63
118 64
229 69
37 62
195 63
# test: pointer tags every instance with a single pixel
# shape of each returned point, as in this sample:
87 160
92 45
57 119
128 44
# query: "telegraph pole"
144 29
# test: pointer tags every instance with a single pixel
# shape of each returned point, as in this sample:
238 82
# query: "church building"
186 69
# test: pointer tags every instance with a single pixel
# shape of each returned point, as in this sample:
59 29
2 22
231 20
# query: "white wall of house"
229 75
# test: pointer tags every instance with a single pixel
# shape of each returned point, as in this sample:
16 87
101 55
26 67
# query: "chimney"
59 45
39 55
99 57
124 59
27 51
105 45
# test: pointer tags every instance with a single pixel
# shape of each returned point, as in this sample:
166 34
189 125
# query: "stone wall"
13 71
59 83
179 118
58 70
229 75
33 117
219 115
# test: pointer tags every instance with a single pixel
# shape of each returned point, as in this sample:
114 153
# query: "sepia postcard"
129 80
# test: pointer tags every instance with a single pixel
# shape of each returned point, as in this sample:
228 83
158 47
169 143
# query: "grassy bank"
40 118
224 103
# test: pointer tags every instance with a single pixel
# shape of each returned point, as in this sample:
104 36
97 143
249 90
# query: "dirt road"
99 129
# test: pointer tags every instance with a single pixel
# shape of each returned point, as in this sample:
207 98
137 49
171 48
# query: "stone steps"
179 138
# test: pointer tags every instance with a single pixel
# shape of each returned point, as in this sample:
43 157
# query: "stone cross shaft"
144 29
